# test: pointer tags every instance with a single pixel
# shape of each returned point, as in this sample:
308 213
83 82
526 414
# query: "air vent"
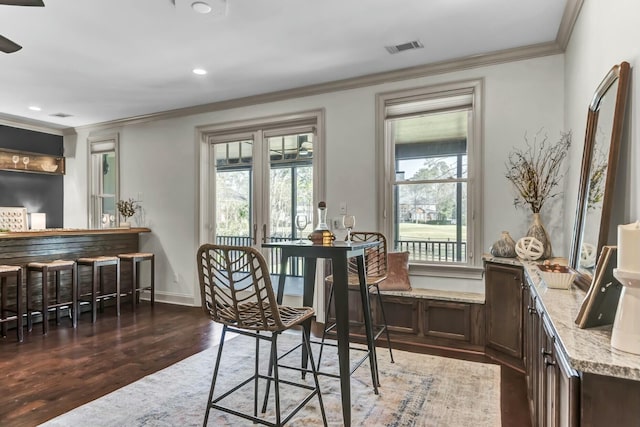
404 46
61 115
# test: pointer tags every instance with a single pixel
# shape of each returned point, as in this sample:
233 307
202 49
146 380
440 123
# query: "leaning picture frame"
601 301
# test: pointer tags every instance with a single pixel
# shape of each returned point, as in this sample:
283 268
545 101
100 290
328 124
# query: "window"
431 145
103 181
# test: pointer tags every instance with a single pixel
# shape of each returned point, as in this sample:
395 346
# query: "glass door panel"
290 190
233 188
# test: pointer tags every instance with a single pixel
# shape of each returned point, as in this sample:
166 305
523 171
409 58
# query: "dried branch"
127 208
536 170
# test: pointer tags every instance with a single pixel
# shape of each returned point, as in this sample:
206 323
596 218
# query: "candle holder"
625 335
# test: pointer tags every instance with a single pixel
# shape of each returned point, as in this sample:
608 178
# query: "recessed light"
199 71
34 108
201 7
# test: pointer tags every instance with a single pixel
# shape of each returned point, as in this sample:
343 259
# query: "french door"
260 180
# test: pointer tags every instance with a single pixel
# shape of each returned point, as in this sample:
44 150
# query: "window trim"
385 155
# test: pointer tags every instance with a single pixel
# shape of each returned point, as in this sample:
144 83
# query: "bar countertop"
51 232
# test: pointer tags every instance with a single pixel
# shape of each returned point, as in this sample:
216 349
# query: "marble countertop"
587 350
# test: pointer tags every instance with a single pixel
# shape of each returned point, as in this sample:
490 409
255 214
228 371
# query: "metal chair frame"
44 269
236 291
7 271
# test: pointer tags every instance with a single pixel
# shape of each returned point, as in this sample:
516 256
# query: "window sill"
453 271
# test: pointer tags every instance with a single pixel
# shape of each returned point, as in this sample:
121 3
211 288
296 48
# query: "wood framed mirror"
598 172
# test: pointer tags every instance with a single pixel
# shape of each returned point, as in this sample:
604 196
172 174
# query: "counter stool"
44 268
97 293
135 258
7 271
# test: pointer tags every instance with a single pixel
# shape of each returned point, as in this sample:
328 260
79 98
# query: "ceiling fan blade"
38 3
7 46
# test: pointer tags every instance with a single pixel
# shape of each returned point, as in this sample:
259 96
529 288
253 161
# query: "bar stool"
97 283
44 268
135 258
7 271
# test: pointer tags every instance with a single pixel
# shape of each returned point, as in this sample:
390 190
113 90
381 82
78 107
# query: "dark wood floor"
46 376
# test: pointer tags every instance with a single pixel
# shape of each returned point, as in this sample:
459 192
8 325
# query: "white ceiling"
103 60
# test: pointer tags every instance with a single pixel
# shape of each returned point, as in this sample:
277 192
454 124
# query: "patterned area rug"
417 390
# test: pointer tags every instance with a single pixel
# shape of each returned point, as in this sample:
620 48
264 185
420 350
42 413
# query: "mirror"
597 176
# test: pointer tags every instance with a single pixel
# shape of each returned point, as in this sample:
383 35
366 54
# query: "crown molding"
569 18
474 61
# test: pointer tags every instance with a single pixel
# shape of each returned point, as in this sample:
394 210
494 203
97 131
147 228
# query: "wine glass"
25 160
301 224
349 221
15 160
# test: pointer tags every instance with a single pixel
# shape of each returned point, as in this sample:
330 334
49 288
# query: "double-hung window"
103 181
430 141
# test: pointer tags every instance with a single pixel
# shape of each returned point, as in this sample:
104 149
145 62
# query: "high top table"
339 253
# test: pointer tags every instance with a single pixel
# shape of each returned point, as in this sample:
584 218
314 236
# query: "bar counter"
23 247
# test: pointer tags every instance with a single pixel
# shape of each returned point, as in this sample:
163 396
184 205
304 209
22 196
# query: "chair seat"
60 263
9 268
354 280
136 255
98 259
251 316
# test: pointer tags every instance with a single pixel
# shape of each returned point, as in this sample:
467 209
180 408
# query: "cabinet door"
503 294
549 378
567 391
531 353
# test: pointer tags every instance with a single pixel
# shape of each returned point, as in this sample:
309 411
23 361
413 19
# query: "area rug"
416 390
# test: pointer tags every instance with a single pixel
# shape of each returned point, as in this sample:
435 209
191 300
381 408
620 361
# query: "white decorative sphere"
529 248
587 255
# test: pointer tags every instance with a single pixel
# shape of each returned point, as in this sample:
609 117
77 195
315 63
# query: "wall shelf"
23 161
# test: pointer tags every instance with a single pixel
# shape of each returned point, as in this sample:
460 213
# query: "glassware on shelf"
25 160
15 160
301 223
349 221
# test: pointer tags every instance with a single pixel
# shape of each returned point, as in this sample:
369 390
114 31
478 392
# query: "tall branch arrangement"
536 170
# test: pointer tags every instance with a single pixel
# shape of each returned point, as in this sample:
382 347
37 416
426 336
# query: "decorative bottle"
322 235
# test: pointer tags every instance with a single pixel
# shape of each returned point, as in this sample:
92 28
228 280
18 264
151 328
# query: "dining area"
235 279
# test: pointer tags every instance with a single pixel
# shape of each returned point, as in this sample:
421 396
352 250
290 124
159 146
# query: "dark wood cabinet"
504 286
553 386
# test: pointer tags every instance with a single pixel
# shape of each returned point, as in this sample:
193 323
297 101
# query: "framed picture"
601 302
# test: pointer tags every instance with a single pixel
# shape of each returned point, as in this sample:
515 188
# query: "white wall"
606 33
159 160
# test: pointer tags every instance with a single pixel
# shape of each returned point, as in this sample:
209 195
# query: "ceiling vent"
404 46
61 115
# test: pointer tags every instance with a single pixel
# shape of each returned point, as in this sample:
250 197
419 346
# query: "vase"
538 231
505 247
125 224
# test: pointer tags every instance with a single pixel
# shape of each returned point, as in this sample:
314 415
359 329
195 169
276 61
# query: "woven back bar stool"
135 259
98 293
52 301
236 291
6 272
